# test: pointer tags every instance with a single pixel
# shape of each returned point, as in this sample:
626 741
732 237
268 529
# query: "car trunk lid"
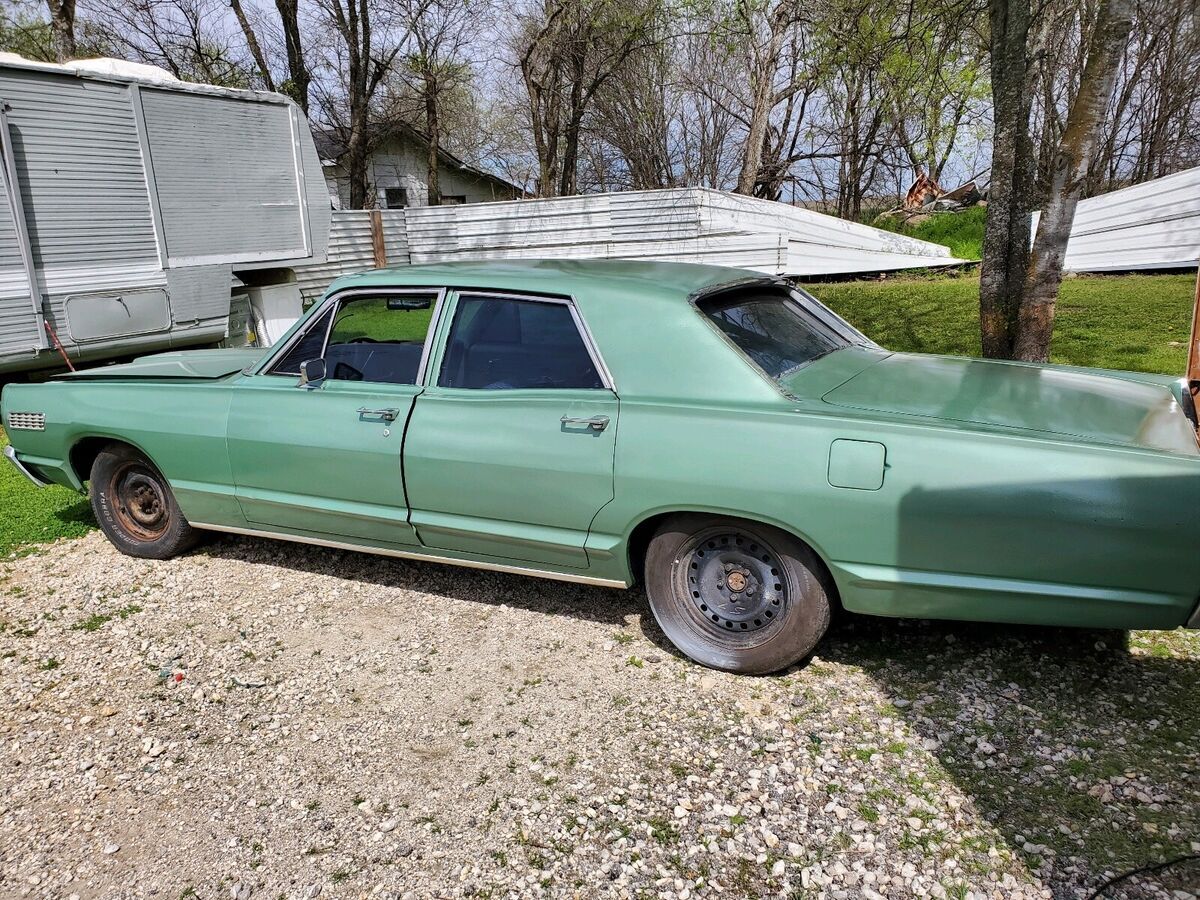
1106 407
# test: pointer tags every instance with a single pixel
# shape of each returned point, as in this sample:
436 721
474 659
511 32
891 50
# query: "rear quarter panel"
179 425
966 525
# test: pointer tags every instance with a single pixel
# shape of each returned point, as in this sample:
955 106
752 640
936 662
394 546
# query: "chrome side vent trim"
27 421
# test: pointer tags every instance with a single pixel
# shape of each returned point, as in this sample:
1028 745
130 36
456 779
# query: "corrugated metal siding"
226 176
1154 225
351 250
87 233
198 293
682 225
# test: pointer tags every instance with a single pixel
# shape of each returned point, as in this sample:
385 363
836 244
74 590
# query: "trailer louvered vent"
27 421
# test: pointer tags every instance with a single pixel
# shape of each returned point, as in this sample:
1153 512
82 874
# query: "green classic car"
719 434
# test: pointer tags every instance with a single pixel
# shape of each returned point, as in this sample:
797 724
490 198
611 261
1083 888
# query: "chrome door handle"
388 415
596 423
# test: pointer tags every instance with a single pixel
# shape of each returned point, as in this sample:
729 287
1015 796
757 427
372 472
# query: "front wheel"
735 595
135 507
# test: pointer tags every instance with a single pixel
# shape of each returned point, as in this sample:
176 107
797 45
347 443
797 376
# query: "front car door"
509 450
325 458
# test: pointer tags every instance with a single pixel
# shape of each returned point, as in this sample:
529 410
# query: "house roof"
331 147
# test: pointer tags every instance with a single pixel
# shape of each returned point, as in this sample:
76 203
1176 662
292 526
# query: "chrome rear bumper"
11 454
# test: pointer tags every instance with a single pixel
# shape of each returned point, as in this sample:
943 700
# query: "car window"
307 347
771 328
499 343
374 339
379 339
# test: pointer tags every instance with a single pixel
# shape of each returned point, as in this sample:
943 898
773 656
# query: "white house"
397 172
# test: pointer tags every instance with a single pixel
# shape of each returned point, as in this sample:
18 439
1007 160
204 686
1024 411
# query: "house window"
395 198
453 199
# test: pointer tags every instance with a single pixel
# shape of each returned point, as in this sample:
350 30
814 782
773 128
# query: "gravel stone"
263 719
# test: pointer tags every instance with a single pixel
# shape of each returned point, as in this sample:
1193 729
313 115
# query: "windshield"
779 330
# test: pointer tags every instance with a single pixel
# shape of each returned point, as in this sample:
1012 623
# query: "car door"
509 450
325 457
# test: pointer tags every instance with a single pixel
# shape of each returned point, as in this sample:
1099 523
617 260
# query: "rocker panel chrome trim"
416 555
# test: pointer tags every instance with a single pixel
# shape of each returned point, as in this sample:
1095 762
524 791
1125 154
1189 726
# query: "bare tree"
1006 231
360 58
189 38
62 28
299 76
436 68
765 30
567 50
260 60
1069 173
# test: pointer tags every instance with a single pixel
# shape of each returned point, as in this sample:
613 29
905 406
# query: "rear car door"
325 458
509 451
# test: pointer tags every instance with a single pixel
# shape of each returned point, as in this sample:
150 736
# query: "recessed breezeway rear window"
771 328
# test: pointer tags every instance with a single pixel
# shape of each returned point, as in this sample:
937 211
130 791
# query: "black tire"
736 595
135 506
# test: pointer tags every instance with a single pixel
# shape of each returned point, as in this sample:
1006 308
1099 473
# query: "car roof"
634 279
650 337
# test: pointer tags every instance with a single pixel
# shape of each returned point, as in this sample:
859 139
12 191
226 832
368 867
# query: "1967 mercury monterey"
717 433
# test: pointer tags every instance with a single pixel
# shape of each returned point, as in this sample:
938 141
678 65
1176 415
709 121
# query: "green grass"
30 515
962 232
1137 323
371 318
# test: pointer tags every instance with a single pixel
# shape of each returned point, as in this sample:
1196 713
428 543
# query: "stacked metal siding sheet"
687 225
818 244
1153 225
351 249
679 225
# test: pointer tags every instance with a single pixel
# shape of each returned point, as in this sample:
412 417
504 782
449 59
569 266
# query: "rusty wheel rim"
140 502
735 582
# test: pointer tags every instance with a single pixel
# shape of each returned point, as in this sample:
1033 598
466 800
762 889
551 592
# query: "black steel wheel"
135 507
736 595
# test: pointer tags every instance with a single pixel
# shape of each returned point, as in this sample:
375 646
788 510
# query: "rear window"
771 328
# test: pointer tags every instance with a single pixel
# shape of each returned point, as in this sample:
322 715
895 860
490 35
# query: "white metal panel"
1153 225
227 177
679 225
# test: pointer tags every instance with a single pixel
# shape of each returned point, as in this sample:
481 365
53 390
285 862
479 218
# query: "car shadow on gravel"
1081 747
603 605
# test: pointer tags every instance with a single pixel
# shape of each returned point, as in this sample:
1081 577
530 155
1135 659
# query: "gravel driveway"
268 720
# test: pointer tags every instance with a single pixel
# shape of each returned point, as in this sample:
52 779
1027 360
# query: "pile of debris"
927 197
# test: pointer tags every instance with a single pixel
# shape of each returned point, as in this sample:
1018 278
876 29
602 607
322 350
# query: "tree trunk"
1006 231
252 43
760 113
298 74
432 130
1068 174
62 28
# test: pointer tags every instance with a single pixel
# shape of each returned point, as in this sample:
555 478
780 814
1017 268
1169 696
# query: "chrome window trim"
581 326
350 293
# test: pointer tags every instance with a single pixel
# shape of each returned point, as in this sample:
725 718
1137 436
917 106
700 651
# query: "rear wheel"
135 507
735 595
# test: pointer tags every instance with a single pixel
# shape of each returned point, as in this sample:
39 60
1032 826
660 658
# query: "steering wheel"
362 340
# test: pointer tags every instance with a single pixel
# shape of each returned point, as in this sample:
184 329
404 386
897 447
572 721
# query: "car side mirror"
312 374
